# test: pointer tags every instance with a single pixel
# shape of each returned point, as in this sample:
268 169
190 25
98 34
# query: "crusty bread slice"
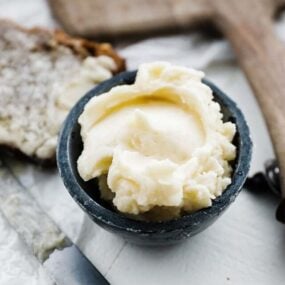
42 75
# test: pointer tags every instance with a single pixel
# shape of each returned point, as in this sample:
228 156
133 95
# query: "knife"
62 259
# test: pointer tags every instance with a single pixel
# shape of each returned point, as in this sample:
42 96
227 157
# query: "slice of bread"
42 75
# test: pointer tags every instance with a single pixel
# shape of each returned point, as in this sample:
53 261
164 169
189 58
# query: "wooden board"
113 17
116 17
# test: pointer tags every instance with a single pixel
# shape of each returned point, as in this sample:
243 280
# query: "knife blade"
62 259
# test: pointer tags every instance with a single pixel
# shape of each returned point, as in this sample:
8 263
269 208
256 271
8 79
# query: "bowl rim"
123 223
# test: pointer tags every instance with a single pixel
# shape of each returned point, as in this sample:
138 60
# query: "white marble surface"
245 246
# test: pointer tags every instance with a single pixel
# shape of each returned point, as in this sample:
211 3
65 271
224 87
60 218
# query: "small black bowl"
87 195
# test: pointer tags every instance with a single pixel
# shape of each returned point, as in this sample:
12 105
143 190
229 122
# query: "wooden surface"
113 17
248 24
262 56
117 17
245 246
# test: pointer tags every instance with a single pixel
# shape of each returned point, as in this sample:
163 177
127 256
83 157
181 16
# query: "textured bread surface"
35 67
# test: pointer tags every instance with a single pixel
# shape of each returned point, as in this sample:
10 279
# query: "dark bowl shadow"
87 194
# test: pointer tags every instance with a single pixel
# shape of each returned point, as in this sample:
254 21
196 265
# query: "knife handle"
24 214
60 257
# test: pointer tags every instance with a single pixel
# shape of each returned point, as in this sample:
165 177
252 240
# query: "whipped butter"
160 142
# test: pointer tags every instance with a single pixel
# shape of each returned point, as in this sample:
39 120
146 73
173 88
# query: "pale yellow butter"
161 141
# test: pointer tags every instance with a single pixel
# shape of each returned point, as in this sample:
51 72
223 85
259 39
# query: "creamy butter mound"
161 142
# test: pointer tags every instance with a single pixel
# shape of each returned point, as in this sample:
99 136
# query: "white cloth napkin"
245 246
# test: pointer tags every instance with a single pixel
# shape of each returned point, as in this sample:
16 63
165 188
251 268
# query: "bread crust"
86 48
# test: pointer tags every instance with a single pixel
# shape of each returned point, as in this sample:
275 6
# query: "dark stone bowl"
87 195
